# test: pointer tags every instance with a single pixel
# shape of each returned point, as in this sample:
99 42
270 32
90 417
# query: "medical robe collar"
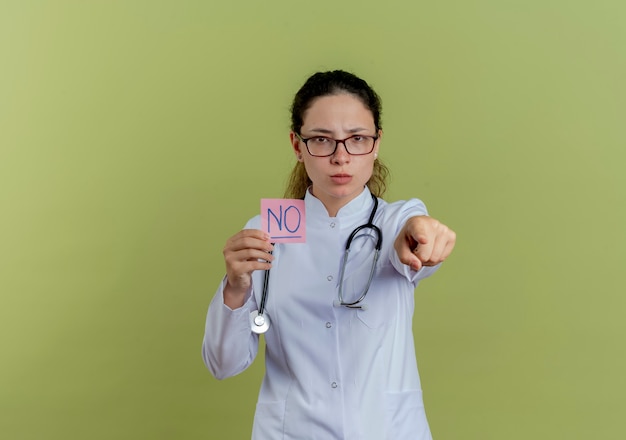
351 212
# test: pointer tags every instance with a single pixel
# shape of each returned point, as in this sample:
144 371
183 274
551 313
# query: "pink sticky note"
283 220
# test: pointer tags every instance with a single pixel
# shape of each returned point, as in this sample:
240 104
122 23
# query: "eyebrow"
326 131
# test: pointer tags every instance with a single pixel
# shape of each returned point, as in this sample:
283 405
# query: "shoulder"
391 217
402 209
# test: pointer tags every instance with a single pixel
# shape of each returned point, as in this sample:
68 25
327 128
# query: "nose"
341 154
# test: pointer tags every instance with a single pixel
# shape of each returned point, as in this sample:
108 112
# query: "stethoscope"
260 322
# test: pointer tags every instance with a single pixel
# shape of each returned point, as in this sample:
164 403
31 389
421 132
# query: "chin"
342 193
339 191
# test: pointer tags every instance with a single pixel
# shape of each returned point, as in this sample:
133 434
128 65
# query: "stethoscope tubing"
260 323
266 282
379 243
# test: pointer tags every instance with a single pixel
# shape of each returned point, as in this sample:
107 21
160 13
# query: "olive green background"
136 136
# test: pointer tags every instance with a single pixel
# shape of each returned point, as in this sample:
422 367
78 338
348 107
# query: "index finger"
254 233
250 239
404 245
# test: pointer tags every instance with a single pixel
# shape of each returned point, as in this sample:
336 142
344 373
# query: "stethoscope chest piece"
259 323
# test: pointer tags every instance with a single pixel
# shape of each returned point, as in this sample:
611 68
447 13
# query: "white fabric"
331 372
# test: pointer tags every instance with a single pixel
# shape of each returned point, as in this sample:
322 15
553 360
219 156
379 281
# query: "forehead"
338 110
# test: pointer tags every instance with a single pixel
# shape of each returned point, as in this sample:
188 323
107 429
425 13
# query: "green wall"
136 136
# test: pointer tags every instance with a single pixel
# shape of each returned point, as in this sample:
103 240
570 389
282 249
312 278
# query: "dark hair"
333 83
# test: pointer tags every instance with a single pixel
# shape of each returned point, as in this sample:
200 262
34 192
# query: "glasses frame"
337 142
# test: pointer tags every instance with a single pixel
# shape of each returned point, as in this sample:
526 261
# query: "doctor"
340 360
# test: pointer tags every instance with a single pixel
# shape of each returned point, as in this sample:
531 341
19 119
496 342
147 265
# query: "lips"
341 178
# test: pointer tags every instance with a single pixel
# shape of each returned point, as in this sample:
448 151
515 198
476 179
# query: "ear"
295 144
377 145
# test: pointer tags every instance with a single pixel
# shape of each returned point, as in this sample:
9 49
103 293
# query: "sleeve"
401 212
229 346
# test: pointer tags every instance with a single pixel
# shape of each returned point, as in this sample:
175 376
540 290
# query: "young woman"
340 359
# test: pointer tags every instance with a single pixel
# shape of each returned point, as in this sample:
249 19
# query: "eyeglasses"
322 146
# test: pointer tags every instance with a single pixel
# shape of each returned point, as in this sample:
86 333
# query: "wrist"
235 296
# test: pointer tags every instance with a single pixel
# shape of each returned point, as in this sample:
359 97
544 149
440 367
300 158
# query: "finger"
424 252
403 246
444 243
248 254
437 252
240 241
251 254
232 258
449 246
254 233
420 228
241 258
247 267
248 241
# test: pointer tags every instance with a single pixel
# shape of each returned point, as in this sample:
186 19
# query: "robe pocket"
381 303
269 420
373 317
405 416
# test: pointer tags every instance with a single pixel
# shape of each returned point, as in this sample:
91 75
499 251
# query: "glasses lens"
321 146
360 144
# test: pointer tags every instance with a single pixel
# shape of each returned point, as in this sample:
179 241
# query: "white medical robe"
331 372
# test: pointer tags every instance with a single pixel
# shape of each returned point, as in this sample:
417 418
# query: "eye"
320 140
359 139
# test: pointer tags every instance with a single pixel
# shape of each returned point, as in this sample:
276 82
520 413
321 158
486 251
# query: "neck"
333 204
